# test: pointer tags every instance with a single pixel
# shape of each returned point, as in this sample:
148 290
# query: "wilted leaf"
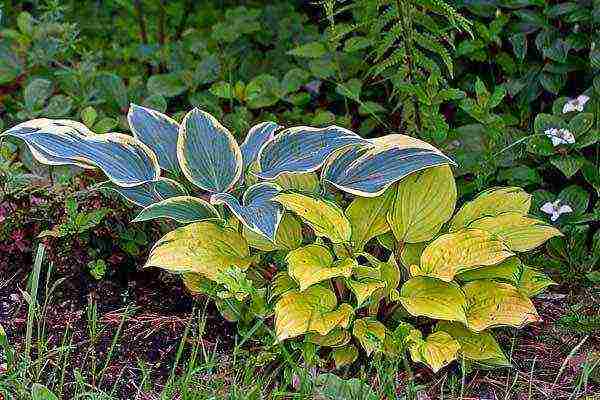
433 298
314 263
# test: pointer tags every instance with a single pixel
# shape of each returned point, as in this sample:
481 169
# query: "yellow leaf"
206 248
492 304
490 203
281 284
314 263
367 216
475 346
437 350
364 290
461 251
343 356
370 333
325 217
337 337
508 270
518 232
307 182
288 236
532 282
433 298
313 310
424 201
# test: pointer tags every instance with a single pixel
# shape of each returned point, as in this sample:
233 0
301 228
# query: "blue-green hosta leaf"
157 131
367 170
208 153
147 193
256 138
259 212
302 149
183 209
125 160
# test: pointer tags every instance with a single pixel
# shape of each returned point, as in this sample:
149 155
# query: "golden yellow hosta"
325 217
490 203
344 355
367 216
314 263
437 350
424 201
508 270
454 253
307 182
532 282
288 236
492 304
433 298
365 289
337 337
370 334
520 233
313 310
474 346
206 248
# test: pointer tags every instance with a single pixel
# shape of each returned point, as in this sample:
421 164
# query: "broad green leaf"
314 263
474 346
331 387
288 236
437 350
36 93
313 310
183 209
508 270
41 392
461 251
367 216
424 201
569 165
167 85
370 334
205 248
255 139
518 232
337 337
157 131
325 217
533 282
433 298
147 193
208 154
309 50
364 289
491 203
492 304
344 355
411 254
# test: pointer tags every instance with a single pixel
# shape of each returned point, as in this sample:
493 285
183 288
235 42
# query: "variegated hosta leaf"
337 337
344 355
492 304
370 334
475 346
302 149
508 270
364 289
518 232
313 310
433 298
314 263
461 251
533 282
288 236
491 203
325 217
367 170
183 209
206 248
147 193
157 131
125 160
303 183
437 350
424 201
208 154
259 212
367 217
255 139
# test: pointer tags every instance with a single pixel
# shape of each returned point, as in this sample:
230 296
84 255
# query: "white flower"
555 209
560 136
575 104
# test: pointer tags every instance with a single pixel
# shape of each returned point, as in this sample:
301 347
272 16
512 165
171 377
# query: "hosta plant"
341 240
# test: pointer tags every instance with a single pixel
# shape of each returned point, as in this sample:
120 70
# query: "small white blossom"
555 209
560 136
575 104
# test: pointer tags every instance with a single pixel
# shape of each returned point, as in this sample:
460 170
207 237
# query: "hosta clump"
345 261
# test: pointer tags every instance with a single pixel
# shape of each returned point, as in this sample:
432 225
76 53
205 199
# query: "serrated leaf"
314 263
183 209
474 346
325 217
437 350
433 298
424 201
367 216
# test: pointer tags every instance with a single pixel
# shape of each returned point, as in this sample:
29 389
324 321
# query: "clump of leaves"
345 260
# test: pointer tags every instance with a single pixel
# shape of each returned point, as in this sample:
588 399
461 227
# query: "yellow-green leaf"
345 355
367 216
281 284
364 290
518 232
337 337
492 304
288 236
533 282
424 201
206 248
461 251
508 270
475 346
411 254
314 263
433 298
437 350
490 203
325 217
370 334
313 310
307 182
